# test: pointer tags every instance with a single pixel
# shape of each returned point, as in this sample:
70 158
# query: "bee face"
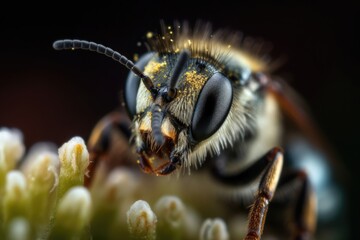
201 118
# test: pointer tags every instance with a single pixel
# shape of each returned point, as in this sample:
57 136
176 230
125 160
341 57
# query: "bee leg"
168 168
109 143
270 167
267 187
304 215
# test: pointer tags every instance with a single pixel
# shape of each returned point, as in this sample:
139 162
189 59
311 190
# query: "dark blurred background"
52 96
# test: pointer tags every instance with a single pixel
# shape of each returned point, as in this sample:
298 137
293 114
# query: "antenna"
183 57
67 44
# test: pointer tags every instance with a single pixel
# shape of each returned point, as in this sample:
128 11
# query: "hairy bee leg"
304 215
267 187
109 141
269 167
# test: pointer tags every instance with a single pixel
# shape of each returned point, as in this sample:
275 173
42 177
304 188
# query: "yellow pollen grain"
149 35
136 57
153 68
195 79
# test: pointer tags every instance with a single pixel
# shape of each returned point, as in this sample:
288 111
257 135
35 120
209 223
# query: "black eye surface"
212 107
132 84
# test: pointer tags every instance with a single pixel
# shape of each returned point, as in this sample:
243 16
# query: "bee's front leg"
109 143
266 190
269 168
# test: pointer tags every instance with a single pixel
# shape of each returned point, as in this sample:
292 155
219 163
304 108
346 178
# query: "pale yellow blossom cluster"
42 197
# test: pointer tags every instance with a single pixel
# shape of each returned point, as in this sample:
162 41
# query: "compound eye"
212 107
132 84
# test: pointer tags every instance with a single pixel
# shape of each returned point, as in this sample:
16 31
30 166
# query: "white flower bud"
11 148
214 230
170 210
74 159
141 221
74 156
73 213
15 196
120 184
43 172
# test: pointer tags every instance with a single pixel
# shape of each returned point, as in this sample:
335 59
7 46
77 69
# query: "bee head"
191 101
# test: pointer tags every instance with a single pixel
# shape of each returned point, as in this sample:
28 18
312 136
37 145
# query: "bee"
200 102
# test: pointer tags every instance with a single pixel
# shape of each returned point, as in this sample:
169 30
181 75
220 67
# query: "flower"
42 196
